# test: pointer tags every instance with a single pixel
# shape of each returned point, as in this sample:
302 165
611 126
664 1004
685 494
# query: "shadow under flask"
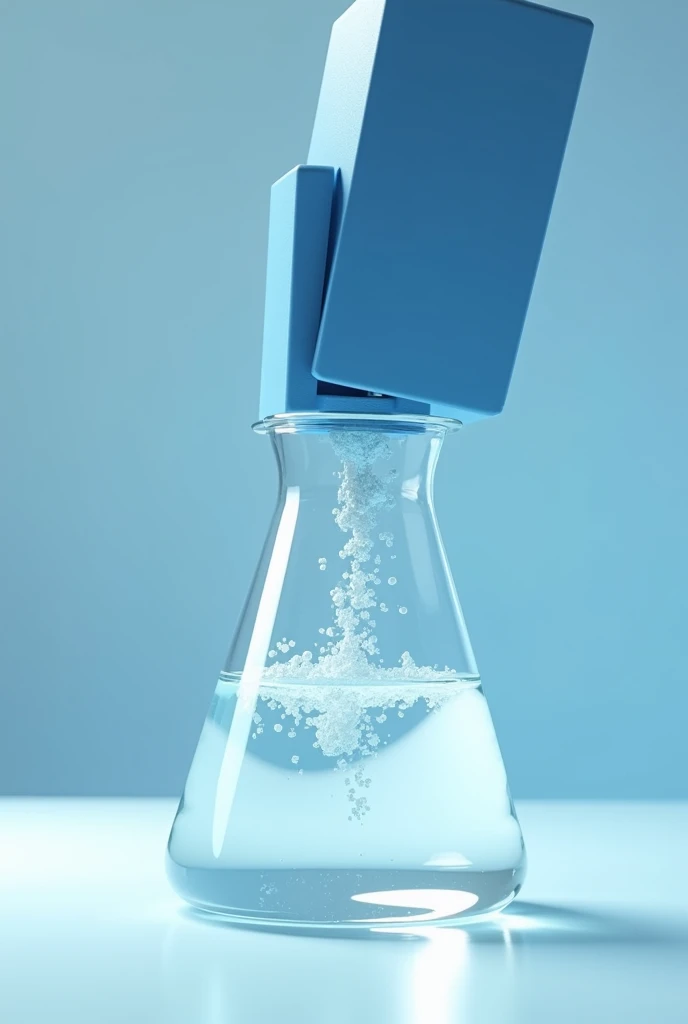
348 775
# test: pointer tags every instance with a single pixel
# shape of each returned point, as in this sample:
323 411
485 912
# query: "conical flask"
348 774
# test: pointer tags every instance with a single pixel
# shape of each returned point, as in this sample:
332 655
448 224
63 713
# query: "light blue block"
298 241
300 208
448 121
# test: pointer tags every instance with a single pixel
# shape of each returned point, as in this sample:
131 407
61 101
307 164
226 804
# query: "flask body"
348 775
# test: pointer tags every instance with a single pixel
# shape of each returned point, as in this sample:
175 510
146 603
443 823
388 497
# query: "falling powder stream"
332 692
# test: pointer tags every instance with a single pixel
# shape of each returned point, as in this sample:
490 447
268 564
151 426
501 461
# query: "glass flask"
348 774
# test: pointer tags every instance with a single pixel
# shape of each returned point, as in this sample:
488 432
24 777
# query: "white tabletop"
90 932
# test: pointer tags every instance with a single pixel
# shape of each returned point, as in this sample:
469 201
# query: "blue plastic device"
402 256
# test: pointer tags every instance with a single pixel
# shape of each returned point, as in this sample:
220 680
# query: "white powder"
361 496
334 692
339 713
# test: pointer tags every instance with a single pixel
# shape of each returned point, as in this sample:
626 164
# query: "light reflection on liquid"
438 904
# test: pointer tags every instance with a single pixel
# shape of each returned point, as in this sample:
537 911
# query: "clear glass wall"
348 774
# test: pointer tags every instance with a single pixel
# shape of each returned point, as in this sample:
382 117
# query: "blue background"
139 142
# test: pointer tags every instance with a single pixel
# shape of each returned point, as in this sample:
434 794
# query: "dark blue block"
448 120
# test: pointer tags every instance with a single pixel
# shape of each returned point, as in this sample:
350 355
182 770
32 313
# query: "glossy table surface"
90 932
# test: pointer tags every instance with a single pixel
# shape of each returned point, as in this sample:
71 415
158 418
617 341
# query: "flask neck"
374 460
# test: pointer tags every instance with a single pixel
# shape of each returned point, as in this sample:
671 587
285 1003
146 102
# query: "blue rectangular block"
298 243
300 213
448 121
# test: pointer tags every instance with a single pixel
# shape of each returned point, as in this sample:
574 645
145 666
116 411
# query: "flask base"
345 900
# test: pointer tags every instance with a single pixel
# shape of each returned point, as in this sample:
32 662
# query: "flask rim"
324 422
